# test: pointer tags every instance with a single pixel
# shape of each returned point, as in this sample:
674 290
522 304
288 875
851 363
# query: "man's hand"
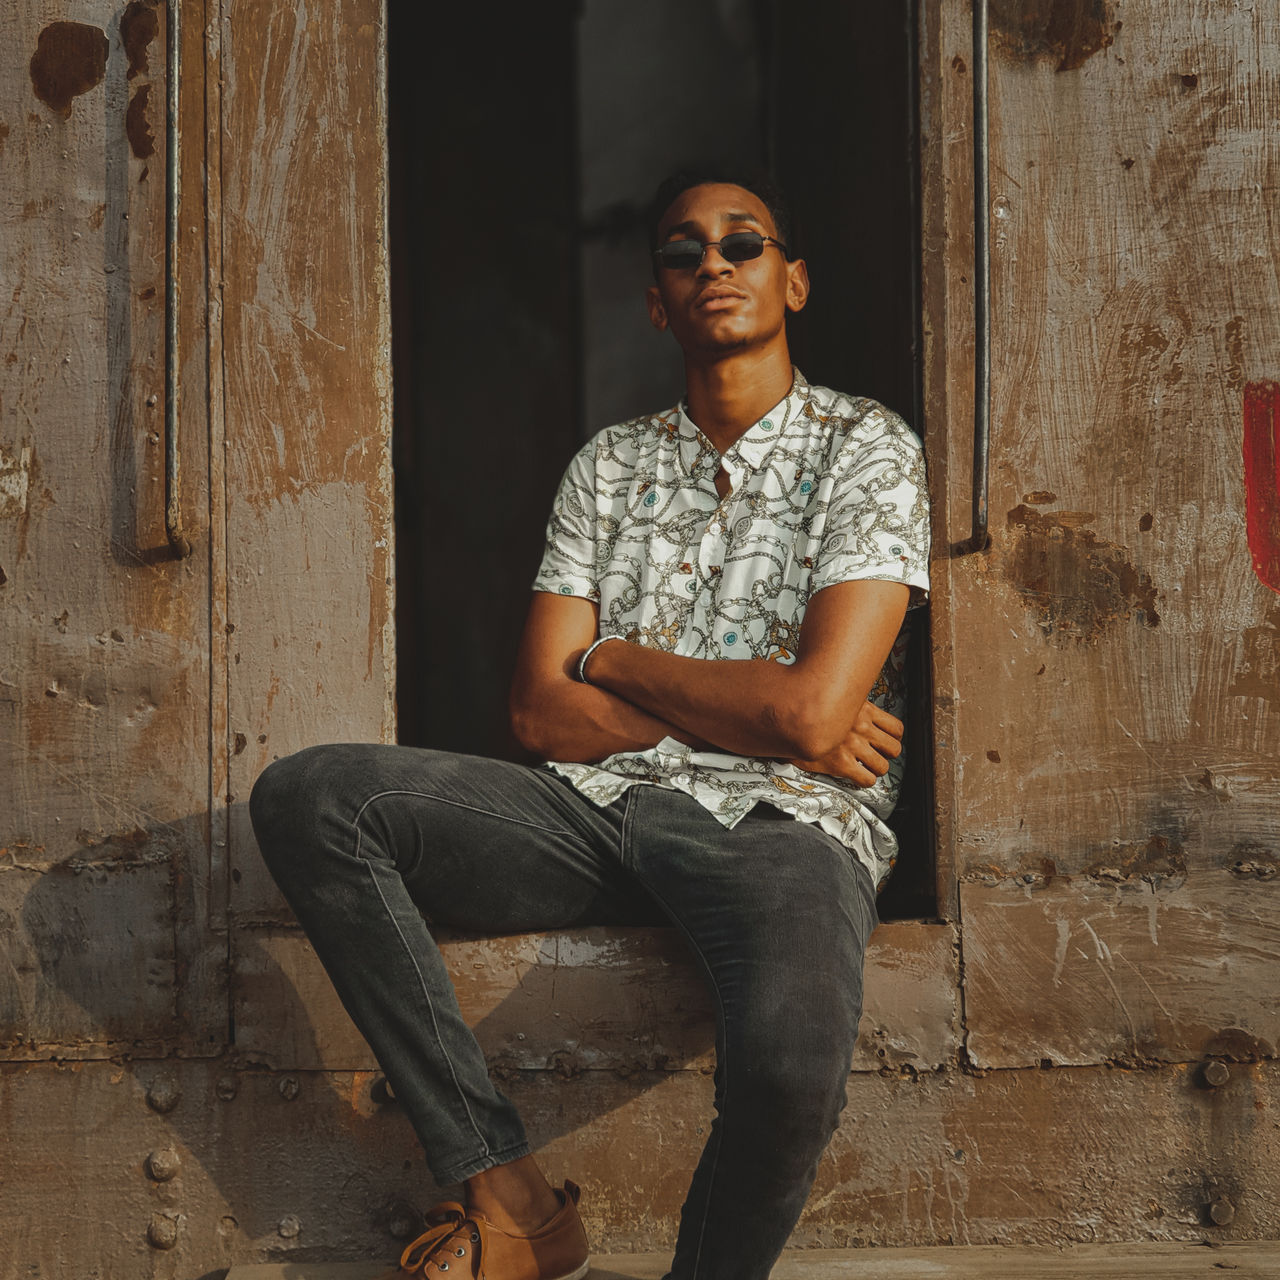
873 740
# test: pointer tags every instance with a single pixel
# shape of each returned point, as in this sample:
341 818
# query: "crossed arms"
813 712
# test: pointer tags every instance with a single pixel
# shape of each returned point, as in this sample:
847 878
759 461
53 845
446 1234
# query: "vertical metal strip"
982 284
178 542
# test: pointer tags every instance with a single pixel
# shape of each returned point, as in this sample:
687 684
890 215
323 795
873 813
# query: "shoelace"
451 1224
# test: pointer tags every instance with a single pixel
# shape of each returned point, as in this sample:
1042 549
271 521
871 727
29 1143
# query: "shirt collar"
751 448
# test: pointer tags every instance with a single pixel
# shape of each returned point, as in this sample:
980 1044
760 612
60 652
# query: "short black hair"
763 187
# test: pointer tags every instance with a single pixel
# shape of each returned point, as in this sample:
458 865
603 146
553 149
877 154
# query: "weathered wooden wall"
178 1088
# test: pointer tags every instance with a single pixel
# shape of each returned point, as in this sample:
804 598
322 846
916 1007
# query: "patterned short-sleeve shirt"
825 488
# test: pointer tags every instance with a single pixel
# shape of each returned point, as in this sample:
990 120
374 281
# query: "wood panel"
1114 652
104 636
592 999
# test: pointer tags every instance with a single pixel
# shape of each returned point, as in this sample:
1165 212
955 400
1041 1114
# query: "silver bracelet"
582 661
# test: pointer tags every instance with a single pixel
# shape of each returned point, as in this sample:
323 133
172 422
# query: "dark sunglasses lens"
679 255
742 246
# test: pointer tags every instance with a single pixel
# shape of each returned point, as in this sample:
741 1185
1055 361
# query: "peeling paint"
1157 861
139 26
137 128
1068 32
70 59
1077 583
15 481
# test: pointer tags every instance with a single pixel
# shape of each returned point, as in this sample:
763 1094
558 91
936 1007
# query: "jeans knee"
285 800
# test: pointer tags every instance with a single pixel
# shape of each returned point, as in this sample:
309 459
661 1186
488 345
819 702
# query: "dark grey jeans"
371 844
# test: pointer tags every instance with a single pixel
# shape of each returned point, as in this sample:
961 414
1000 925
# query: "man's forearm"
750 707
584 724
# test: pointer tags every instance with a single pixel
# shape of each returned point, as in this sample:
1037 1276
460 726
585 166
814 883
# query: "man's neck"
727 397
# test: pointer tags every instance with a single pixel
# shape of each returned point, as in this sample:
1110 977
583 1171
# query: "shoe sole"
579 1273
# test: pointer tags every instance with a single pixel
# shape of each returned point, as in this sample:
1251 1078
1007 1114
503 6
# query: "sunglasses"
742 246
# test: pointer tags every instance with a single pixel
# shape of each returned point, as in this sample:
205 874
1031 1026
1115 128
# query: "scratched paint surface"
309 512
1114 657
104 639
1107 687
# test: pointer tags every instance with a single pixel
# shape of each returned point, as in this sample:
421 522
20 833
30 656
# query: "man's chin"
711 344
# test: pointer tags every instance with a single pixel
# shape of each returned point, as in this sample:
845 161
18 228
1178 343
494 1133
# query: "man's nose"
714 263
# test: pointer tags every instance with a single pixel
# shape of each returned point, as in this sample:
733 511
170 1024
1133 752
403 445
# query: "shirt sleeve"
569 561
877 523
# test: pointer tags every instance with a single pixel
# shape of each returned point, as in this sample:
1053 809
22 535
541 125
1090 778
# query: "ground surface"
1239 1260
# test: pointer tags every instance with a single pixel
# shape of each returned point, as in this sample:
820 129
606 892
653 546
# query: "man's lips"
717 298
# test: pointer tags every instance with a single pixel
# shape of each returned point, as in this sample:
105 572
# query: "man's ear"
657 312
797 285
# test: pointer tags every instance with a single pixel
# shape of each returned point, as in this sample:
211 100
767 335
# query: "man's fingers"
869 758
886 721
862 775
886 744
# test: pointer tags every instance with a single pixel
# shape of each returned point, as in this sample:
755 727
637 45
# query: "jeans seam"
724 1022
413 959
457 804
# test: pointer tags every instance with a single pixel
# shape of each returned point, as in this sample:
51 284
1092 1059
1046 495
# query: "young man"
723 589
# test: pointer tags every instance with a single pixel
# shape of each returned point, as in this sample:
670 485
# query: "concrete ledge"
1240 1260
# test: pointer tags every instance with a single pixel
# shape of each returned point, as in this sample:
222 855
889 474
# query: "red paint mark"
1262 479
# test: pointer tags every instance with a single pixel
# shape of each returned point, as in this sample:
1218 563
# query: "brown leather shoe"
461 1244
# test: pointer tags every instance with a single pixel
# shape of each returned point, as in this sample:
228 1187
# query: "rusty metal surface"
1169 971
307 392
105 862
1108 701
1025 1157
1106 677
1116 609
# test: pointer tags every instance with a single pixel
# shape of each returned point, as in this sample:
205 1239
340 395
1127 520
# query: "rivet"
290 1088
163 1094
289 1227
162 1231
403 1221
163 1164
227 1087
1216 1073
1222 1212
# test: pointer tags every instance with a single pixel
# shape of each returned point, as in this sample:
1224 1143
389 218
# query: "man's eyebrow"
686 229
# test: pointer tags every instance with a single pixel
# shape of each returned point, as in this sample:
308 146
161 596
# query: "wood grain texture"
609 999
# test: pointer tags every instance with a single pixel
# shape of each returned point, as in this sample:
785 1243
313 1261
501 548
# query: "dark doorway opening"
522 154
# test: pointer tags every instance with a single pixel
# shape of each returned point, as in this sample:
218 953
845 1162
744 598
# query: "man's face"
720 306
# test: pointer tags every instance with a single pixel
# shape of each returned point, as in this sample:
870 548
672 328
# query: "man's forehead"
713 205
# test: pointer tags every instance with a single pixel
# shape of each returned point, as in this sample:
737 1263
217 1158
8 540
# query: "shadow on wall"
283 1154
